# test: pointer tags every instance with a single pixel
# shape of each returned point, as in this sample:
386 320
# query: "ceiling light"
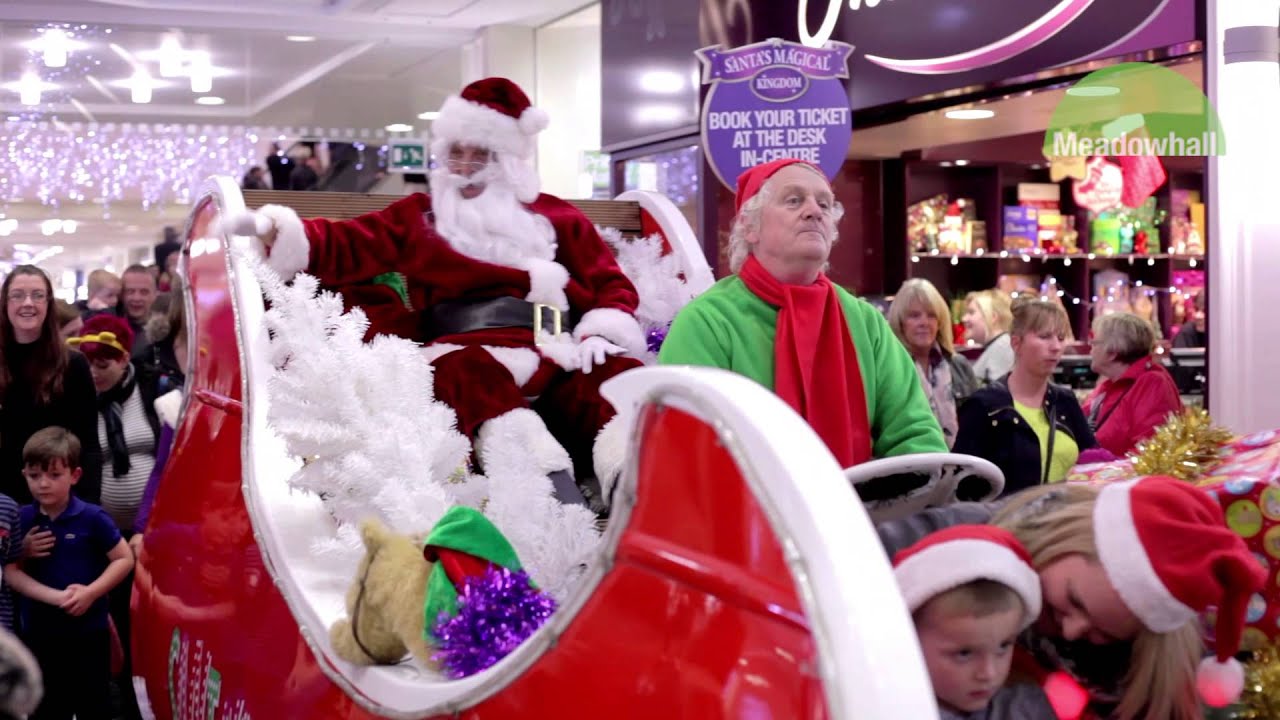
170 57
662 82
69 226
970 114
201 72
658 113
29 88
140 86
50 226
209 100
1093 91
961 163
399 127
55 47
300 38
429 115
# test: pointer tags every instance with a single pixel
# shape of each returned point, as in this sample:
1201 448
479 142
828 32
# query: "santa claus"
520 305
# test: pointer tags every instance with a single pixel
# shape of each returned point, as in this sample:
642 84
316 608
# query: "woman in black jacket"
42 383
1030 428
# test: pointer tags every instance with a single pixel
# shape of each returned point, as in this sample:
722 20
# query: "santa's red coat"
346 254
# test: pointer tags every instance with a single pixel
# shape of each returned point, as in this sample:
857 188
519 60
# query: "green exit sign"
407 156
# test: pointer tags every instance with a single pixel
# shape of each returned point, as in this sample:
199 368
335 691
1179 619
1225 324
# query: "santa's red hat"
752 179
1170 555
493 113
961 554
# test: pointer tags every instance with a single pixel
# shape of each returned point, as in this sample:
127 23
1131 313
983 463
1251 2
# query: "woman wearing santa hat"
781 322
1126 571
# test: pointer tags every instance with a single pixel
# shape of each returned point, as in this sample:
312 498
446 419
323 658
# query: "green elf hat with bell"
464 544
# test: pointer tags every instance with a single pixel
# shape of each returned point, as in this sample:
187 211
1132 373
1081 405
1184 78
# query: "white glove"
255 224
593 351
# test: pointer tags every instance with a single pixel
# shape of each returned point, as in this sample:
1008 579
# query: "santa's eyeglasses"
466 167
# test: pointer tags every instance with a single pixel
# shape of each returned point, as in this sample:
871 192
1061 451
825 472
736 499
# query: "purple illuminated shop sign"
775 99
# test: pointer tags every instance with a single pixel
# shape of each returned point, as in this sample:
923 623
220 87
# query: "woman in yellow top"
1030 428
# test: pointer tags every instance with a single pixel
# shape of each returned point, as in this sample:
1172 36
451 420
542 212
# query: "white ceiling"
371 63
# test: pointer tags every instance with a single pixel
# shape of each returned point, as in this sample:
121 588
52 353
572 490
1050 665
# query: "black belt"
452 318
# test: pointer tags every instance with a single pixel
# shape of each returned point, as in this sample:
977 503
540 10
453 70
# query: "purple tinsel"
654 338
496 612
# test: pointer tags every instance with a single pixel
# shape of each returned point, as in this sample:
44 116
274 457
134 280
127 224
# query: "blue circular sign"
775 100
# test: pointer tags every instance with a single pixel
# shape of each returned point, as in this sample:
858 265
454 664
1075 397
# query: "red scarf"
815 364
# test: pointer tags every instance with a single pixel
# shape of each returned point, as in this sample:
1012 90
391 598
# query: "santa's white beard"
493 226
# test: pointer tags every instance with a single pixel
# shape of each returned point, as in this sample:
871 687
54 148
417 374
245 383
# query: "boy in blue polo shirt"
65 586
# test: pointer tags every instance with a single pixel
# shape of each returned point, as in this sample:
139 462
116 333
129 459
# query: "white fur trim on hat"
534 120
462 121
1125 561
291 252
616 326
945 566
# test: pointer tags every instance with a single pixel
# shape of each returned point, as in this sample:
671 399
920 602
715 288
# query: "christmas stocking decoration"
480 605
1143 175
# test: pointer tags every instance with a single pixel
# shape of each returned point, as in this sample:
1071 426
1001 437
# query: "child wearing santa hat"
971 589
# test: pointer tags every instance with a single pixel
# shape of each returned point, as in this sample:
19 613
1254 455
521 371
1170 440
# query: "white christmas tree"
378 443
658 278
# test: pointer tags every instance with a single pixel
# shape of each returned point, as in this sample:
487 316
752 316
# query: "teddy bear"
413 597
384 605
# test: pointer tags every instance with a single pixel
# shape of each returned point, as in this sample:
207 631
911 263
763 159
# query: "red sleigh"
739 577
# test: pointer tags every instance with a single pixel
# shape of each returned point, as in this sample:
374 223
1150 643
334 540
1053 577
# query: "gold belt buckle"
537 321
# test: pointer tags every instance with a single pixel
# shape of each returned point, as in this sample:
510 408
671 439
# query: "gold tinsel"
1186 444
1261 697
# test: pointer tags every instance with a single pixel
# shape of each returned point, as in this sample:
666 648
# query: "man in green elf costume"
779 321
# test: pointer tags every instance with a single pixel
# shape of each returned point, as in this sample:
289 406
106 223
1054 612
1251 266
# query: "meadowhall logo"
1134 109
1069 144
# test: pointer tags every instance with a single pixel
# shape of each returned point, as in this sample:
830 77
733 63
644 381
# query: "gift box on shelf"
1104 234
1021 227
923 223
1044 196
1016 284
1111 292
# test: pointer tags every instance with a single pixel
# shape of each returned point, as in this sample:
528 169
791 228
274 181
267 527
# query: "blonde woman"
1033 430
1130 638
987 317
921 320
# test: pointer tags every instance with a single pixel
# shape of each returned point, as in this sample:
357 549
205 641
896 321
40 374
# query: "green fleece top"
730 327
